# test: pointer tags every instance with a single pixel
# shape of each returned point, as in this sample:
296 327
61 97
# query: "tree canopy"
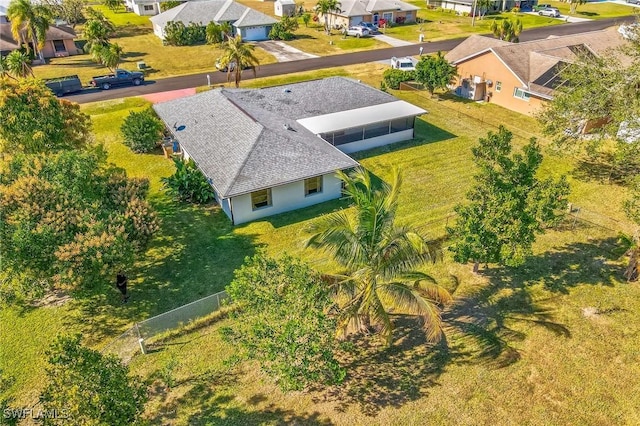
90 388
29 21
595 109
34 120
283 321
379 261
508 205
69 220
434 72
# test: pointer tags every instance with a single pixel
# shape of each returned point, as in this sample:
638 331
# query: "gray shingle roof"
367 7
253 18
239 139
211 11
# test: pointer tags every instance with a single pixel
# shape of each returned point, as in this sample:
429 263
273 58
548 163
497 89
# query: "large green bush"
142 131
393 77
178 34
284 29
188 183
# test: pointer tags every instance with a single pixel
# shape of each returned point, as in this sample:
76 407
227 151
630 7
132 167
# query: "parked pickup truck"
63 85
119 78
405 64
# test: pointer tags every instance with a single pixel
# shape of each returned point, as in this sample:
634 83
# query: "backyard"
552 342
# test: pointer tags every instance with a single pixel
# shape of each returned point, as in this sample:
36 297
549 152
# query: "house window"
521 94
498 86
58 46
261 199
148 7
388 16
408 17
401 124
312 186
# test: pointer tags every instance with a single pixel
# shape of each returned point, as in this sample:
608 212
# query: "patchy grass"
135 36
515 336
595 10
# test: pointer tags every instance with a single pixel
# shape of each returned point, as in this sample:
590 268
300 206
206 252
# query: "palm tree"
380 258
227 30
109 55
31 21
17 64
507 30
324 8
236 56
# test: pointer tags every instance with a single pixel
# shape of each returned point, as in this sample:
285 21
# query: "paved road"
195 80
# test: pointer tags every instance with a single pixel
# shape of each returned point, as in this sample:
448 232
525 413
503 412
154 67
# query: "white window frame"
521 94
318 181
498 86
268 201
389 20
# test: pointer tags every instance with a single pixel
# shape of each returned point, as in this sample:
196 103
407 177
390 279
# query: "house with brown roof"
521 76
352 12
59 41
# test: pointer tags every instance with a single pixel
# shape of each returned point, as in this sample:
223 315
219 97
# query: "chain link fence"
142 333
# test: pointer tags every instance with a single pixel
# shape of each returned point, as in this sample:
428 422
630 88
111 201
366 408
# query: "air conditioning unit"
61 54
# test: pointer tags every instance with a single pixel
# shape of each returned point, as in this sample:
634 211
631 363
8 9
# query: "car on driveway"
539 7
357 32
633 1
230 67
373 28
551 12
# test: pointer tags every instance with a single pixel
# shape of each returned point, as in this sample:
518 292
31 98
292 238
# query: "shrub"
214 34
393 77
400 20
284 29
142 131
188 183
178 34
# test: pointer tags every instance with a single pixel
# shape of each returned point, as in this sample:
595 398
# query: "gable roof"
213 11
250 139
529 61
60 32
368 7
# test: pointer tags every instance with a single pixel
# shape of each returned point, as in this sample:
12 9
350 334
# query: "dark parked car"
119 78
373 27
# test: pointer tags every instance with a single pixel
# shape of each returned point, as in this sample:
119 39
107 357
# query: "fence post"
218 300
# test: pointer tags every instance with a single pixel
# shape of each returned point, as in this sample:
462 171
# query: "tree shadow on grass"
193 255
380 377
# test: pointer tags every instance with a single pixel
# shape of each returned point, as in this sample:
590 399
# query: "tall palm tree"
236 56
379 258
18 64
326 7
109 55
29 21
227 30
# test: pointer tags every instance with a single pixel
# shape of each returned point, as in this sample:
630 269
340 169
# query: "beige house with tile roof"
521 76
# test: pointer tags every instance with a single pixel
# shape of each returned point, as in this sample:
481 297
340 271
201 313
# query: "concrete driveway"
283 52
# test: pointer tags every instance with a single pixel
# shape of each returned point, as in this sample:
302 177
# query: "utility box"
142 65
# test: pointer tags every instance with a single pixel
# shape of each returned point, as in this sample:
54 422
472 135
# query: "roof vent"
286 126
287 90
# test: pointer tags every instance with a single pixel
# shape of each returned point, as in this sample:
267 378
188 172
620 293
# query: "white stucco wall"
376 142
285 198
158 31
138 9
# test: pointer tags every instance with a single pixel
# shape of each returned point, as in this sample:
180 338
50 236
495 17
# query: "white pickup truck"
406 64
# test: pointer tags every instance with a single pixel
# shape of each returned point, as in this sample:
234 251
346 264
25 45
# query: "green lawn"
596 10
519 349
135 36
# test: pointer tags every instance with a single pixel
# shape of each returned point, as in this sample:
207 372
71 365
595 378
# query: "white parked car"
357 31
406 64
551 12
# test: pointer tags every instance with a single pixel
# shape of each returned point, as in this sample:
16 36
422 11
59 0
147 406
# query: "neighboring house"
59 41
250 24
352 12
465 6
521 76
143 7
284 7
272 150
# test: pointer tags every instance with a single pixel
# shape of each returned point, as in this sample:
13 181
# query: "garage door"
355 20
255 33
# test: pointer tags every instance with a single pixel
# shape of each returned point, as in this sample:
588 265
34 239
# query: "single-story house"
352 12
284 7
249 23
59 41
465 6
521 76
276 149
143 7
